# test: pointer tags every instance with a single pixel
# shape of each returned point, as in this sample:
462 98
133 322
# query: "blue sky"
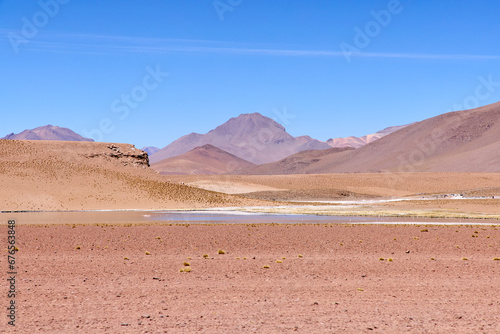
148 72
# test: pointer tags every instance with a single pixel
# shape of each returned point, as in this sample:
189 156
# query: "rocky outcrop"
126 155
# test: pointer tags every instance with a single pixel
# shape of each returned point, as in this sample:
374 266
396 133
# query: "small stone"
145 316
124 324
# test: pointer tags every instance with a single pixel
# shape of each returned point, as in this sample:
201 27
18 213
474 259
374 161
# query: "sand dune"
57 175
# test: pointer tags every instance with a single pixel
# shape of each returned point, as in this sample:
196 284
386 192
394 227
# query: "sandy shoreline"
98 279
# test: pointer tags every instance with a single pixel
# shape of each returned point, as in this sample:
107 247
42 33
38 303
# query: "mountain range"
357 142
252 137
47 132
461 141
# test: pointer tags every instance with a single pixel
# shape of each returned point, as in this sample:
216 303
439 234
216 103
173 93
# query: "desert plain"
272 278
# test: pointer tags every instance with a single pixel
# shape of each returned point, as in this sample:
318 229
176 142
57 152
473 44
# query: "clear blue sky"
86 65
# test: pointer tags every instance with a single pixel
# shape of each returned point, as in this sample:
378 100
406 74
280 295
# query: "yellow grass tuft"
266 267
221 251
186 264
187 269
205 256
359 289
390 259
78 247
496 259
125 258
147 253
300 255
279 261
465 259
381 259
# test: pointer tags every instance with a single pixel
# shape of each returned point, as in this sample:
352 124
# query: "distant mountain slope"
48 132
295 163
357 142
251 137
150 149
461 141
202 160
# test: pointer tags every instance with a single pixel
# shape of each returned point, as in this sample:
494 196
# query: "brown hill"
251 137
461 141
295 163
357 142
202 160
62 175
48 132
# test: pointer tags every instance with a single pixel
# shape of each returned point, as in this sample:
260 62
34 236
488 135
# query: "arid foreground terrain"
121 277
324 278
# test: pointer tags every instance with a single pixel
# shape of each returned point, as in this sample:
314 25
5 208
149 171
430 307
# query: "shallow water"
200 217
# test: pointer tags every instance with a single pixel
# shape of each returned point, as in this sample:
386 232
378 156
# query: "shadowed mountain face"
357 142
202 160
294 164
47 132
461 141
251 137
